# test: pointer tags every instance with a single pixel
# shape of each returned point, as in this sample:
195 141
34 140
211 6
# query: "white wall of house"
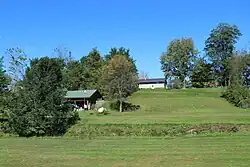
151 86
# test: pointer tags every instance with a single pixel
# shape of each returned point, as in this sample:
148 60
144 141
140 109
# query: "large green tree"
92 67
121 51
202 73
179 58
219 47
4 82
38 107
119 79
74 76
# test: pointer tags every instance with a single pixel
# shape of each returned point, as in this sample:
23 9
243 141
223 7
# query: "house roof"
153 80
80 93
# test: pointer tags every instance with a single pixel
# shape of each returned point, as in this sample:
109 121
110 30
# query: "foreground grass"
192 106
196 151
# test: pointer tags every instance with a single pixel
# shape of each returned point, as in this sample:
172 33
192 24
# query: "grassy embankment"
165 114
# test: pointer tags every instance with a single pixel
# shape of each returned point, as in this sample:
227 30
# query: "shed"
84 98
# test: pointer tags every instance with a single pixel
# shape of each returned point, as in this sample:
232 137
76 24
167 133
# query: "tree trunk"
184 84
120 105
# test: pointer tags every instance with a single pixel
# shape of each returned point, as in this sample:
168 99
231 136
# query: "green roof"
80 93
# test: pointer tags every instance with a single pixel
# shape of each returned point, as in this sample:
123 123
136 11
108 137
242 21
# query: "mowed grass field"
196 151
192 106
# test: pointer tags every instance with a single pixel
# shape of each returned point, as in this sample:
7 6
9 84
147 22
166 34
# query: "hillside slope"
193 106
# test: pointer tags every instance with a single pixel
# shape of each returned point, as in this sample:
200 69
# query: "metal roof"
80 93
153 80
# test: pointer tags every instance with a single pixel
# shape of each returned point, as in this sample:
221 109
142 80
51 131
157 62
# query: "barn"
85 99
151 83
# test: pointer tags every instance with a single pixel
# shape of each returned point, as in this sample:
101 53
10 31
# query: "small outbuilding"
84 99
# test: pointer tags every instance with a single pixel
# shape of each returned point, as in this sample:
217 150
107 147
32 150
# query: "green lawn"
192 106
176 106
196 151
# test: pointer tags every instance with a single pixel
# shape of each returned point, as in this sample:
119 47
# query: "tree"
92 65
4 82
18 63
74 76
202 73
72 70
238 92
219 47
143 75
63 53
39 107
119 78
121 51
178 60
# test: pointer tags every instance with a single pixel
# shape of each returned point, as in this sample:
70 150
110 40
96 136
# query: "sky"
144 26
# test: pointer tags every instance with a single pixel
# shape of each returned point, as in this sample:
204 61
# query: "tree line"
221 65
32 92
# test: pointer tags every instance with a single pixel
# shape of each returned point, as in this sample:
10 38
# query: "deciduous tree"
219 47
121 51
119 78
178 60
143 75
202 73
18 63
238 91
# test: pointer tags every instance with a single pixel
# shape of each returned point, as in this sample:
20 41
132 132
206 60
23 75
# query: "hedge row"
94 130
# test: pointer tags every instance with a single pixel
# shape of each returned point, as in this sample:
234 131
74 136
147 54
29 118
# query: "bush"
126 106
237 95
4 120
94 130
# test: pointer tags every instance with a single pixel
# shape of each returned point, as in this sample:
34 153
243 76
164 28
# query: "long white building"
151 83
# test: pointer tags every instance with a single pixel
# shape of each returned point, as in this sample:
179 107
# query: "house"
151 83
84 98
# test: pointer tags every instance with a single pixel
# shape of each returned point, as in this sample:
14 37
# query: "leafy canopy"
93 64
119 78
201 73
38 108
121 51
178 60
219 47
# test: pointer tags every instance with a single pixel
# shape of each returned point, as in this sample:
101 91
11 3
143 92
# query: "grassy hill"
151 136
192 106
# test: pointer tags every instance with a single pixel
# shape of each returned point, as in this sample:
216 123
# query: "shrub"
237 95
126 106
94 130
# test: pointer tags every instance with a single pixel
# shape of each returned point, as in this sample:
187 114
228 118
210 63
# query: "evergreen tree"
4 82
39 108
92 68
